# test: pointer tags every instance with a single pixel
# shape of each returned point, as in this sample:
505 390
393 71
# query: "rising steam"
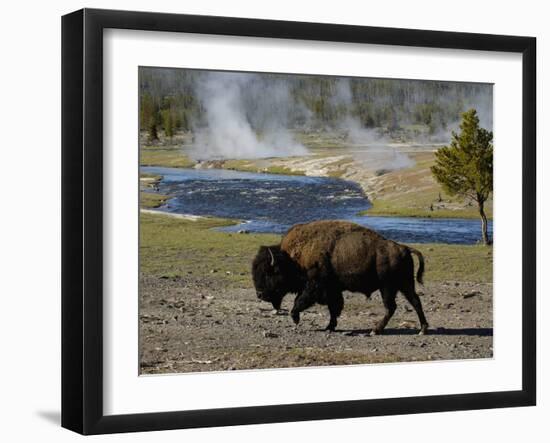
245 116
374 147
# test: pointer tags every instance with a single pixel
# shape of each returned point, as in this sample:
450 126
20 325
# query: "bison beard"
320 260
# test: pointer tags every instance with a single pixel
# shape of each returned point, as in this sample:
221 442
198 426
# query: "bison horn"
272 257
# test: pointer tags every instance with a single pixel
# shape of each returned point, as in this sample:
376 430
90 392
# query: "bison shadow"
479 332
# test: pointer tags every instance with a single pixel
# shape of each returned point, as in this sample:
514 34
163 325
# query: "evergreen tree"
152 132
465 167
168 122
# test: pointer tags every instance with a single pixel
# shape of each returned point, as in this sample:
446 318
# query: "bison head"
275 275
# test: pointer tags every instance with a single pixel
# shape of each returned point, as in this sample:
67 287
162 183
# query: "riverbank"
407 192
199 312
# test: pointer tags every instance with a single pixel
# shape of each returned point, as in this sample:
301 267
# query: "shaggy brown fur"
320 260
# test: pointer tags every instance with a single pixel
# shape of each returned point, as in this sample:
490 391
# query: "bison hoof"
423 330
295 317
376 331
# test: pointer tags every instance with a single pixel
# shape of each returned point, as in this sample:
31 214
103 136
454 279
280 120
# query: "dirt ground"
189 324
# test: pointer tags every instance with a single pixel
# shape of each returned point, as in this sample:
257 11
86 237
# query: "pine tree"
465 167
168 123
152 132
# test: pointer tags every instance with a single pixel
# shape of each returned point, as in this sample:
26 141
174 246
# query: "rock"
470 294
227 272
408 324
243 231
268 334
213 271
279 312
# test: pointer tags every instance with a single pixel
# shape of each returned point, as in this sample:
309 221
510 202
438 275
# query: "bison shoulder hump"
309 244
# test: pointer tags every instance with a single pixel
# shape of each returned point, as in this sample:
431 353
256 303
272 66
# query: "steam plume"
374 146
245 116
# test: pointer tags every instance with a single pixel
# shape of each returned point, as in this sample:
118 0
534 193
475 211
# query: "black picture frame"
82 218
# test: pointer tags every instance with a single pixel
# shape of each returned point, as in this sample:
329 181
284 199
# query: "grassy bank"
149 200
175 248
391 208
259 166
173 157
165 156
413 192
450 263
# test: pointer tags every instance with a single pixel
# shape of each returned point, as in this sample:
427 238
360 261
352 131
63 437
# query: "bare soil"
190 324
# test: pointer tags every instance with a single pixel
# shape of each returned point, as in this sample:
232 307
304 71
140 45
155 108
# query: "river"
271 203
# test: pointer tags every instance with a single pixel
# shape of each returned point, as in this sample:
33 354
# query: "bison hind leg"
414 300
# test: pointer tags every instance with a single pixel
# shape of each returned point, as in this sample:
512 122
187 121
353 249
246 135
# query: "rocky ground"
190 324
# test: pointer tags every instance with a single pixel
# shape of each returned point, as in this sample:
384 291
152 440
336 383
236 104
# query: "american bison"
319 260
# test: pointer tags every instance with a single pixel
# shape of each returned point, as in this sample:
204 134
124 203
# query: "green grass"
241 165
172 157
256 166
412 192
415 208
282 170
172 248
148 200
167 157
472 263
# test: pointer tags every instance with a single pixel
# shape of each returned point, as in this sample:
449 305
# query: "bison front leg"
335 306
388 297
308 297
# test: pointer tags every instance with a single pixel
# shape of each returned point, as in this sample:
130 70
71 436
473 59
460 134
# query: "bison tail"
420 273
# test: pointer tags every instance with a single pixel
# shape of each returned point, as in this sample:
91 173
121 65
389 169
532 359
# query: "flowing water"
273 203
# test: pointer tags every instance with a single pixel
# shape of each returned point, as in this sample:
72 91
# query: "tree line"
169 101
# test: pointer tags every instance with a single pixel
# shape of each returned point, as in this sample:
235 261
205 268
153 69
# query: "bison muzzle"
319 260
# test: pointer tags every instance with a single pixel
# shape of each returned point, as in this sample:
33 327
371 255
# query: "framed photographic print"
269 221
